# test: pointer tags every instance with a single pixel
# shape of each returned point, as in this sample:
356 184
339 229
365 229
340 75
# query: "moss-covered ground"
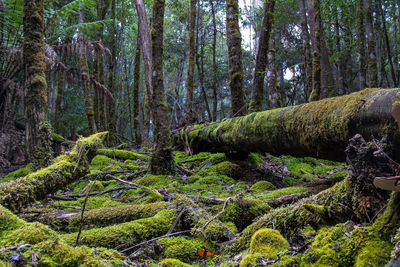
213 212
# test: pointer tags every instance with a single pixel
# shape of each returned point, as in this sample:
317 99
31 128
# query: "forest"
200 133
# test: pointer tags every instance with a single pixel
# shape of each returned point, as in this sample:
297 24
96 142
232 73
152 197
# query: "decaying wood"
321 128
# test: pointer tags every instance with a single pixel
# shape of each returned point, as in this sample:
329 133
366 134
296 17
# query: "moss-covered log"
320 128
64 170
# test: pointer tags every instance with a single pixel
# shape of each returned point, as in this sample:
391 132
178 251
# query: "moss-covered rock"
268 242
18 173
262 186
226 168
28 233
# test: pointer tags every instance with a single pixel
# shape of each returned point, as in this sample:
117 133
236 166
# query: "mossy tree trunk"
190 74
321 128
257 93
112 124
307 48
372 78
85 76
38 144
234 43
59 98
147 60
136 83
215 67
361 43
162 161
314 18
273 94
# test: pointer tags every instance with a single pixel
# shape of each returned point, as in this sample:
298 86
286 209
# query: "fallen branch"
83 210
217 215
72 196
154 239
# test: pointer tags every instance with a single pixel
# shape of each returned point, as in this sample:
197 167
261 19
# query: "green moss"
128 233
56 137
56 253
155 180
182 248
100 162
268 243
18 173
374 253
29 233
284 192
262 186
172 263
8 221
256 159
122 154
251 260
114 215
224 168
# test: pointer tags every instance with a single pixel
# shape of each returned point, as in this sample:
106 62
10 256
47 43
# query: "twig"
154 239
80 152
217 215
386 155
184 170
176 221
122 181
376 214
83 210
68 197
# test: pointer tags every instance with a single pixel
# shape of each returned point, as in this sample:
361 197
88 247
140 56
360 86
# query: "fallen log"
64 170
321 128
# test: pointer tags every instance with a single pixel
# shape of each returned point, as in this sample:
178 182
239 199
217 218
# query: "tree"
234 41
361 43
38 130
372 78
257 93
136 81
190 74
214 63
147 59
307 49
162 161
85 77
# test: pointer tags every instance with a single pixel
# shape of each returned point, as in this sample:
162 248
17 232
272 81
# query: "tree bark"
273 94
136 82
372 65
362 63
162 161
307 48
257 93
214 59
59 98
37 136
190 74
147 60
319 129
233 41
314 21
85 77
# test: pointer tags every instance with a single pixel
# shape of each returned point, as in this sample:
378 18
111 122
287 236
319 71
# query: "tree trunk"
233 41
112 127
38 144
273 94
307 48
372 65
314 21
136 82
190 74
59 98
257 93
162 161
85 76
319 129
215 68
362 63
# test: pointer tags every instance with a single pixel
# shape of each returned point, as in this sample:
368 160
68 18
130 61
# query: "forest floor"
213 212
